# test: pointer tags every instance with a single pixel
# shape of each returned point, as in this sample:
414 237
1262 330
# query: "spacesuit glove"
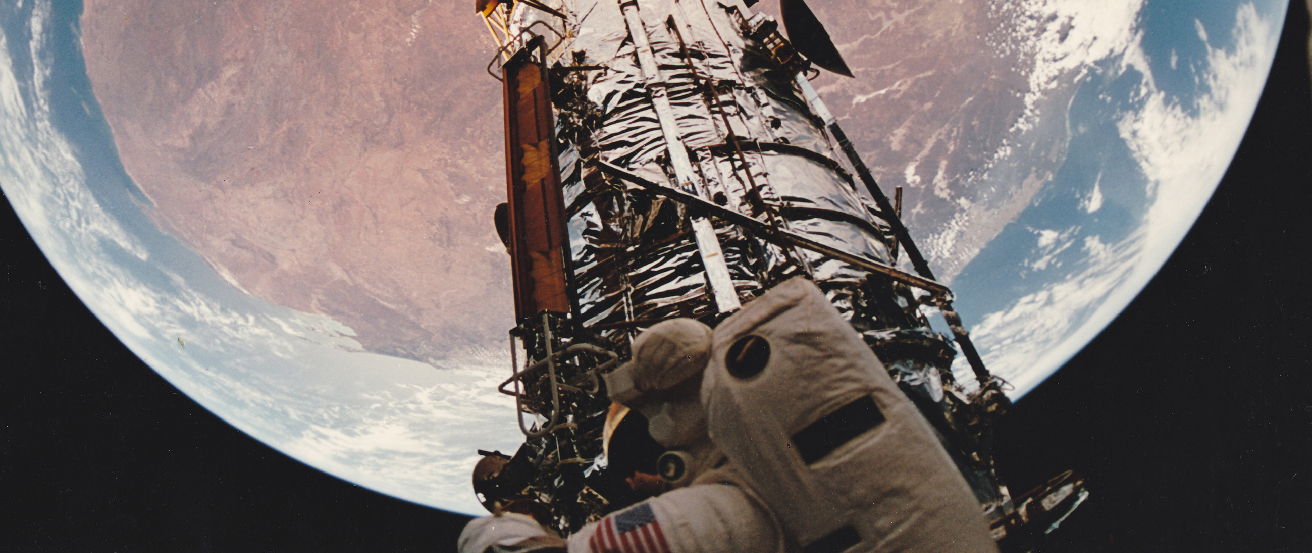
506 533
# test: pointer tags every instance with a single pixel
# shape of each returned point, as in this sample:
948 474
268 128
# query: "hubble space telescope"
671 159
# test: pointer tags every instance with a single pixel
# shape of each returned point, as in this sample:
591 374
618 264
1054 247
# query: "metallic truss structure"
670 158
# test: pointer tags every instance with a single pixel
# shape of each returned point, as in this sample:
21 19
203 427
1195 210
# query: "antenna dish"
810 38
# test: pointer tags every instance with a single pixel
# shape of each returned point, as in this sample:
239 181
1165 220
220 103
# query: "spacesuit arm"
705 518
508 533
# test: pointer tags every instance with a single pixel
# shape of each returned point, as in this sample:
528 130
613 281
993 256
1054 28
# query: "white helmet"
663 379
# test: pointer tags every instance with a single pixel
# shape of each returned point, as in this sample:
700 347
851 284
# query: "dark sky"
1190 416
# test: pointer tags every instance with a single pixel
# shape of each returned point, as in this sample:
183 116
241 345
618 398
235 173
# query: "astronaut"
707 510
783 433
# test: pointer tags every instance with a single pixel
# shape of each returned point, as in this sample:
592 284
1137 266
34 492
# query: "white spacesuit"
810 447
707 511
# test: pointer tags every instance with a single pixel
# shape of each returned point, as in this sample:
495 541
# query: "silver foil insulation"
752 143
658 101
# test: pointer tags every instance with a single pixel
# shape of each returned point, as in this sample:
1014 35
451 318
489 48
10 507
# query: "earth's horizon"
284 207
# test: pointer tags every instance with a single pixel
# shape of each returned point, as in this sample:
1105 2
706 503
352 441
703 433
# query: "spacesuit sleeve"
705 518
508 533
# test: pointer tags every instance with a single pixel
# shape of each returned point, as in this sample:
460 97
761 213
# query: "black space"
98 453
1190 416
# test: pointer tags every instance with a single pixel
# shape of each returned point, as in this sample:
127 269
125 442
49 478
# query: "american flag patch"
634 530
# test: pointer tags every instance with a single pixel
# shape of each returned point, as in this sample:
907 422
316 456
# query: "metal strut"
717 271
550 363
778 236
900 231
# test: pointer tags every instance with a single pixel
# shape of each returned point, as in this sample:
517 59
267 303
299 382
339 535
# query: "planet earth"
284 208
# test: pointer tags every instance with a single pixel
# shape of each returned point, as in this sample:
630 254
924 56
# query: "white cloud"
415 442
1093 202
418 442
1050 244
1183 153
1028 340
44 179
293 380
1066 37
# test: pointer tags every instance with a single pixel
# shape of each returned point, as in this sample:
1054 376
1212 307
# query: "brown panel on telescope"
538 239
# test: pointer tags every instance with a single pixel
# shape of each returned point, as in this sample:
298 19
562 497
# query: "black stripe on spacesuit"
837 541
822 437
